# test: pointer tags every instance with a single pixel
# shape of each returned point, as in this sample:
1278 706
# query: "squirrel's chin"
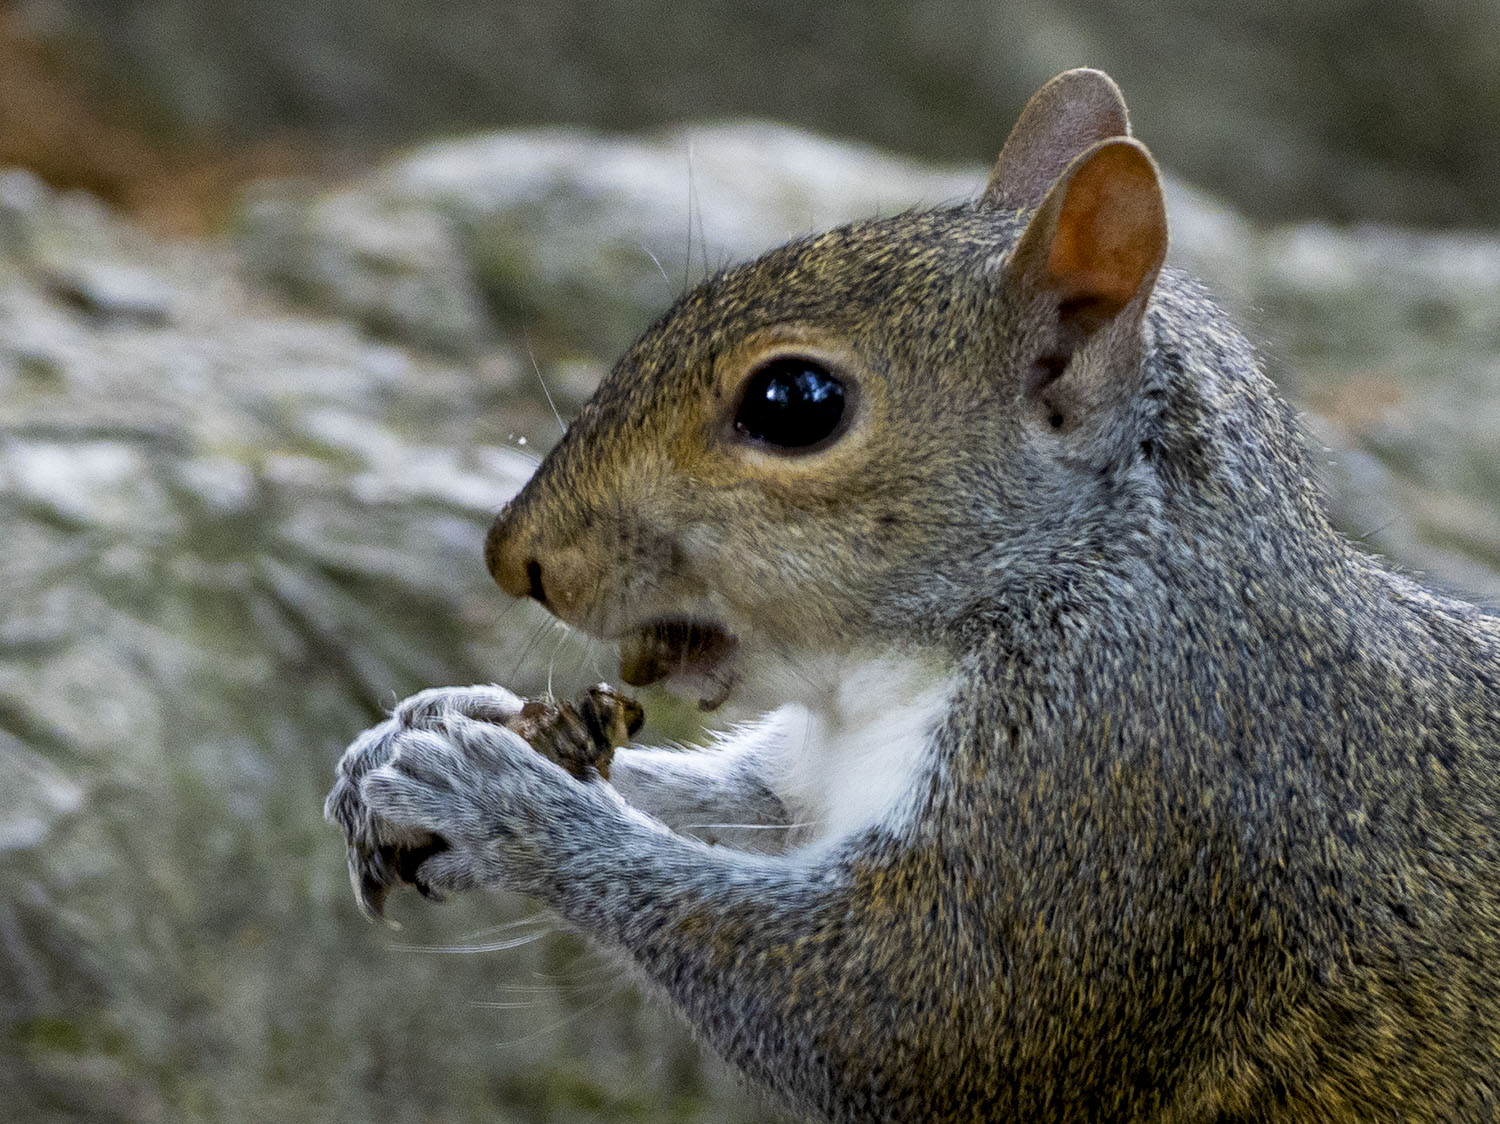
693 658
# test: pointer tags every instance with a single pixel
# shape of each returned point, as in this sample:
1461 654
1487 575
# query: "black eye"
792 403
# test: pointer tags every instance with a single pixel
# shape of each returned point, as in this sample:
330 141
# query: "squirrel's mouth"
696 656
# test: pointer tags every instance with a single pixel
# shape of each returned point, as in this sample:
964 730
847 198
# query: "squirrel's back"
1270 763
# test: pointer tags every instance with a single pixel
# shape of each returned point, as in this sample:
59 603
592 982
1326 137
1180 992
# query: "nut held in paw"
582 735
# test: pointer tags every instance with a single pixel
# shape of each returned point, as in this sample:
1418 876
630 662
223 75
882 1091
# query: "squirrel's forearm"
629 873
726 935
716 795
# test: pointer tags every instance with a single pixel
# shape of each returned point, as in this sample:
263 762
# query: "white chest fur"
849 749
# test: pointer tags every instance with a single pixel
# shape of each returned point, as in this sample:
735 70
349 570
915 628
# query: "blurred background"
1347 109
285 289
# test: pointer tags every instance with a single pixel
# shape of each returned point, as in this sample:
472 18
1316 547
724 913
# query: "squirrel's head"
814 451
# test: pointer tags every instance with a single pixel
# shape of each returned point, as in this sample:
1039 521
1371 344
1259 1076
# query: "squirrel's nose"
509 563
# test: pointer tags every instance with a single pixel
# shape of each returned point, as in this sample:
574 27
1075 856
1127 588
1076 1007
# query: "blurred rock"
113 293
398 270
22 196
1393 338
36 795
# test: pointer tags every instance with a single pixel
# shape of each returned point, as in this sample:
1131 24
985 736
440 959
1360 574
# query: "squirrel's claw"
374 873
370 878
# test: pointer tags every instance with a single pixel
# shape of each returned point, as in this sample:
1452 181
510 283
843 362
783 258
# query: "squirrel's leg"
719 795
731 939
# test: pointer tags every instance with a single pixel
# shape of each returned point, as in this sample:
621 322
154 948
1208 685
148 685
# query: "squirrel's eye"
793 403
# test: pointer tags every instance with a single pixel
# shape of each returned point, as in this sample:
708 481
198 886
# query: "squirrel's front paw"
446 797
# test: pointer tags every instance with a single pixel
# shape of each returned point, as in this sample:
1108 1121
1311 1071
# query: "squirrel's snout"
509 563
528 562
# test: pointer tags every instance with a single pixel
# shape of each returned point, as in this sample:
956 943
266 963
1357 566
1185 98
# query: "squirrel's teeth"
718 683
698 654
643 660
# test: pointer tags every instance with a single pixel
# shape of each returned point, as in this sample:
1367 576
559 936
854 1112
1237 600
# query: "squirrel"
1095 776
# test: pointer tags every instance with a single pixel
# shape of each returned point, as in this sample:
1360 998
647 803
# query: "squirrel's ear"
1076 109
1087 262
